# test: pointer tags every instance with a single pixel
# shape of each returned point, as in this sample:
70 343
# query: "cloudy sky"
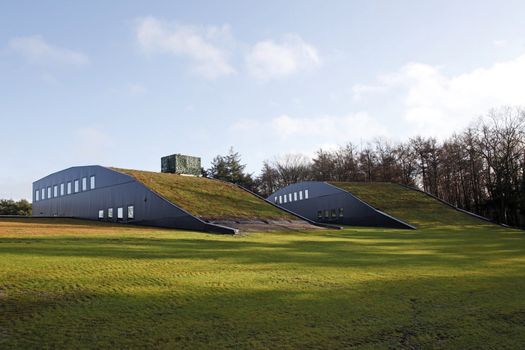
122 83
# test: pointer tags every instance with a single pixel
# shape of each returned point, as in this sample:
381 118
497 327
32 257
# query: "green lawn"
72 284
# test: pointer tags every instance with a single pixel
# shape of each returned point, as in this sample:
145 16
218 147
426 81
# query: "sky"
123 83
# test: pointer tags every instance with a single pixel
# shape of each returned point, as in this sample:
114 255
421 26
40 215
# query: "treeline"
480 169
10 207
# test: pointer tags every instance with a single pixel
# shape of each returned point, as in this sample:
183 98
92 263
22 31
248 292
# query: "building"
155 199
181 164
329 203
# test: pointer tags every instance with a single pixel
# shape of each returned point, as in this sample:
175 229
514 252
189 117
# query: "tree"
10 207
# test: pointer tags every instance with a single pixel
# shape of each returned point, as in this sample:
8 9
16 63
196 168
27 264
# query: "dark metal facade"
115 190
323 202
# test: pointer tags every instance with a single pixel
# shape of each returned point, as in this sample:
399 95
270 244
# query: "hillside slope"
208 199
409 205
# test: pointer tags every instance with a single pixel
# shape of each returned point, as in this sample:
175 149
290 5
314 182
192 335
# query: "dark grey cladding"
342 207
113 190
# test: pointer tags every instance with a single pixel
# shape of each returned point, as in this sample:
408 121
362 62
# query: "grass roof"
409 205
208 199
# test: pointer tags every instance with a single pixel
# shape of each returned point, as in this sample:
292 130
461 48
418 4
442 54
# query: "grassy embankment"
73 284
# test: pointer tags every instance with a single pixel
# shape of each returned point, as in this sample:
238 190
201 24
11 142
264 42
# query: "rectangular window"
49 192
326 214
305 194
55 191
110 213
69 187
77 188
341 212
289 197
295 196
101 214
61 189
285 196
131 212
275 200
280 199
37 195
84 184
120 213
301 195
43 193
319 214
92 182
334 214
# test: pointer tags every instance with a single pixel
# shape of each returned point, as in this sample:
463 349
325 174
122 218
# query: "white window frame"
275 199
120 213
62 189
132 216
110 213
305 194
37 195
280 199
101 214
55 191
290 197
69 187
295 196
301 195
49 192
77 186
43 193
92 182
84 184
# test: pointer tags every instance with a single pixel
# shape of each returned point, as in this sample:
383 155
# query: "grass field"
73 284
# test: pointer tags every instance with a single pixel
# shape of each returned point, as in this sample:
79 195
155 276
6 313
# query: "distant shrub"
10 207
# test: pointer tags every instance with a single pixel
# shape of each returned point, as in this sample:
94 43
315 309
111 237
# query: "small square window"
110 213
305 194
341 212
77 187
120 213
43 193
131 212
69 187
84 184
92 182
101 214
301 195
37 195
49 192
61 189
55 191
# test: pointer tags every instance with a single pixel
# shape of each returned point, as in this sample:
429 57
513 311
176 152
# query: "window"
319 214
120 213
92 182
69 187
305 194
84 184
61 189
131 212
43 193
55 191
341 213
101 214
334 214
285 196
77 188
326 214
49 192
37 195
289 197
280 199
275 200
301 195
110 213
295 196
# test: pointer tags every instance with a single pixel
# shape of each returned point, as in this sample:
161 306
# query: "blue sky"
122 83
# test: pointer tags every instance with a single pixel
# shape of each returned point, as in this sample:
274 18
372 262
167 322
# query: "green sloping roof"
409 205
208 199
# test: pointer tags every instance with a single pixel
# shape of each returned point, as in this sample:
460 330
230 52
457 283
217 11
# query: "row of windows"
330 214
291 197
64 188
120 213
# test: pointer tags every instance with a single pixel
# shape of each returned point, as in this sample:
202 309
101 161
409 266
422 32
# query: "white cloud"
36 50
436 104
269 59
199 45
499 43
